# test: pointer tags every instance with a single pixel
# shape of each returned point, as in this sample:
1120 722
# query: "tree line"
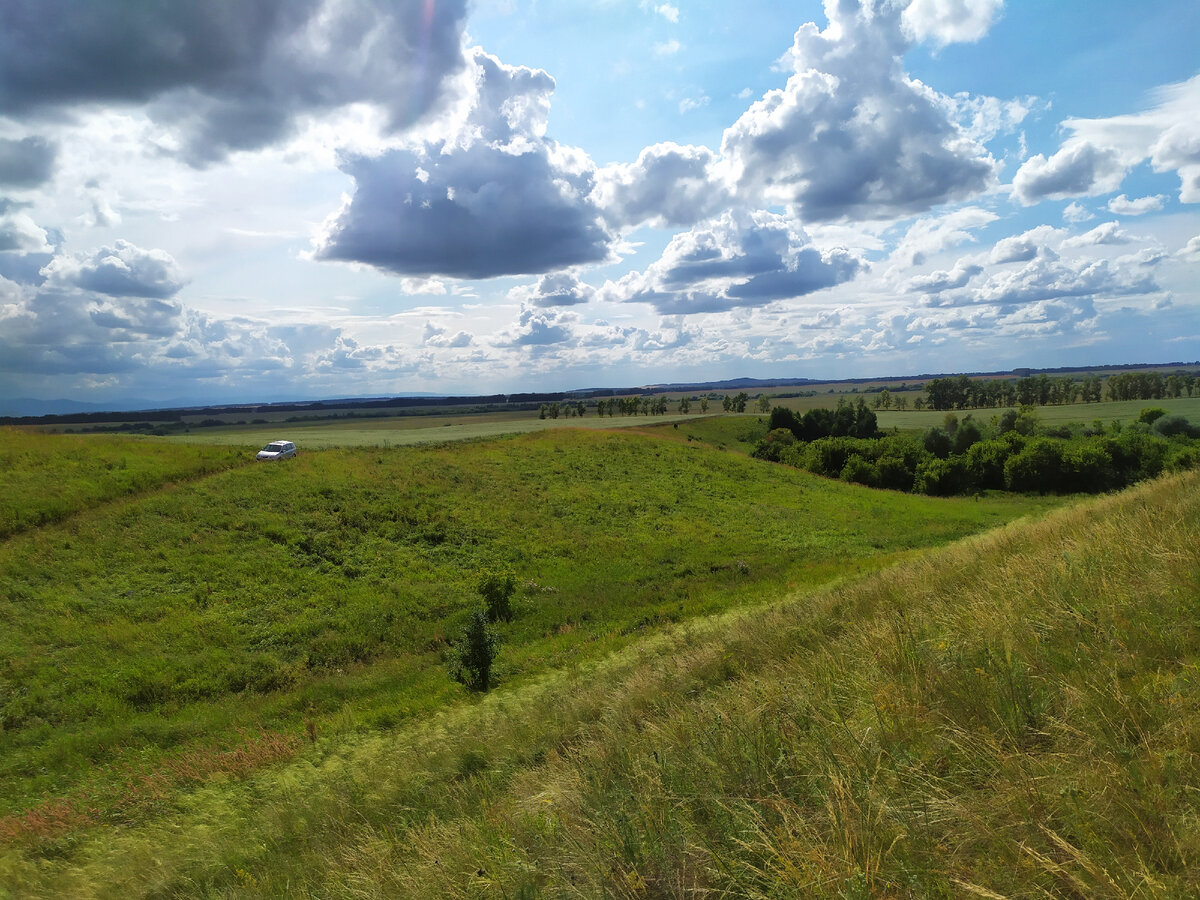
1013 452
963 392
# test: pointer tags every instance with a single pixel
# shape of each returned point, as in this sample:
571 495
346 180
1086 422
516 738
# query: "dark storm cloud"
228 74
476 212
26 163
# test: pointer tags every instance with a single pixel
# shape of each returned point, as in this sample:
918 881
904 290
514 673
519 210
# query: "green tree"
476 651
683 404
764 403
703 404
497 589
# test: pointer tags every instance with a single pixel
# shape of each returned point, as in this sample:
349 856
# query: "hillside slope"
1014 715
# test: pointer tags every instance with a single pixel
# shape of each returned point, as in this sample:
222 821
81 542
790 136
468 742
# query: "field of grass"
46 478
155 641
1125 412
403 431
1016 715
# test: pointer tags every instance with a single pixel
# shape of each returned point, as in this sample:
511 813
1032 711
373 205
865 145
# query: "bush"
1089 468
1038 467
496 589
985 464
475 653
938 442
860 471
940 477
966 435
1173 426
1151 414
894 473
772 446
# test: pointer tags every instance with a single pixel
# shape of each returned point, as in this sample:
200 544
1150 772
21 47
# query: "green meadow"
725 676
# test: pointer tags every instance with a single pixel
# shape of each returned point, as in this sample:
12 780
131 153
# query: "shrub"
1088 467
496 589
985 464
966 434
895 474
860 471
1151 414
771 447
938 442
1172 426
1038 467
475 652
940 477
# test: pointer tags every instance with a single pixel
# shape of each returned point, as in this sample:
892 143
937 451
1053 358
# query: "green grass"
1016 715
1125 411
46 478
167 630
403 431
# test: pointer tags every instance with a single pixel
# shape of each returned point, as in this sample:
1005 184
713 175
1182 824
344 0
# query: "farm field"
406 430
1124 411
156 640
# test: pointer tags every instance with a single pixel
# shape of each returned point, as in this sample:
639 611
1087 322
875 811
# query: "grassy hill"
235 685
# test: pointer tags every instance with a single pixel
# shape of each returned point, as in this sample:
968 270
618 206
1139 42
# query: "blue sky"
225 201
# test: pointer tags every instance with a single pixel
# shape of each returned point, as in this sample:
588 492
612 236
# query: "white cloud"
558 289
733 261
669 184
1108 233
1191 250
1075 213
1023 247
668 12
689 104
950 21
931 235
1123 206
123 270
851 135
500 199
1099 152
667 48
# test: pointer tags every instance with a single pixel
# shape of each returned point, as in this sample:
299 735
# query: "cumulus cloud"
1046 279
1075 213
500 200
558 289
123 270
537 328
1107 233
1123 206
1078 168
27 162
930 235
1023 247
437 336
19 233
851 135
950 21
1095 158
941 280
668 185
225 75
735 260
1191 250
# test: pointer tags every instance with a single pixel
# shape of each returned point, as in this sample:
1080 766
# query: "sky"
237 201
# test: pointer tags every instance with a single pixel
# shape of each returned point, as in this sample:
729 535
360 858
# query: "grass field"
158 639
405 431
1011 716
1107 412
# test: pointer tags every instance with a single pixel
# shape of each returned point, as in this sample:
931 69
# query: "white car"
277 450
